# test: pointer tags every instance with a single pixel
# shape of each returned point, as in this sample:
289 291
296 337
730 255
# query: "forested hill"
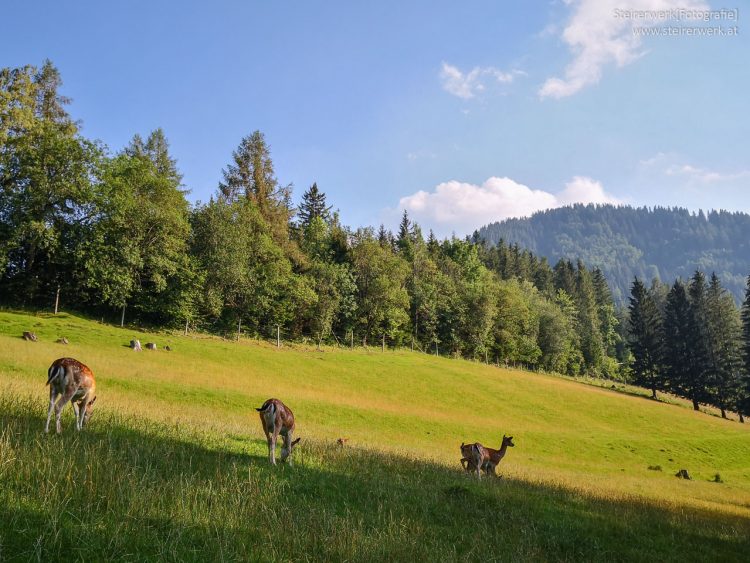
625 242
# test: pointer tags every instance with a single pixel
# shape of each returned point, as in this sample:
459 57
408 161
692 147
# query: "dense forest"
112 234
626 242
690 340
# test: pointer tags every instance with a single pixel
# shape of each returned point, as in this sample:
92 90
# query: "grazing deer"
476 457
276 419
70 380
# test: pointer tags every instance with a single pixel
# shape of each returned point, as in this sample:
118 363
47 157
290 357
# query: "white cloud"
468 85
599 34
673 165
463 207
704 175
582 189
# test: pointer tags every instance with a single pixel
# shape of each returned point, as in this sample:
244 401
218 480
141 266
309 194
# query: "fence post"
383 343
278 336
239 329
186 326
57 298
122 318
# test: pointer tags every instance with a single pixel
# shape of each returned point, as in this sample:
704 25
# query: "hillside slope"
626 242
576 485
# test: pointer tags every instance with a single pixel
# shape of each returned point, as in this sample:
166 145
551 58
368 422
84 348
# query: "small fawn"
276 419
478 458
70 380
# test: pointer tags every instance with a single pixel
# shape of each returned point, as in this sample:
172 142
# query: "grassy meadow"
172 466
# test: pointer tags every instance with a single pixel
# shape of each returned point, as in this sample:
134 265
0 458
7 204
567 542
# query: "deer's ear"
295 442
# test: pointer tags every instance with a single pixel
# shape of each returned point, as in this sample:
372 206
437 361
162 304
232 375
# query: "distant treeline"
626 242
692 341
115 235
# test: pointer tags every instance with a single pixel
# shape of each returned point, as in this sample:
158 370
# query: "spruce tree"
743 399
645 338
676 351
724 346
313 206
404 238
693 382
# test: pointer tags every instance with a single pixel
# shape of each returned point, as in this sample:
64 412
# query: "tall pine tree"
724 352
645 338
743 400
313 206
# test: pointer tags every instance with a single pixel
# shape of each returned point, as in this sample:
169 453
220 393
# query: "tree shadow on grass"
127 489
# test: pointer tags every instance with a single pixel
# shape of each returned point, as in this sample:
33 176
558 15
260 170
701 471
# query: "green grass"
173 466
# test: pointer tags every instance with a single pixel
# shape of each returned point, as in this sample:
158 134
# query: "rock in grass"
654 467
62 340
150 346
135 345
683 474
30 336
717 478
168 348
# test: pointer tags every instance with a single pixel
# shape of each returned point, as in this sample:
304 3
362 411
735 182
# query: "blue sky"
459 112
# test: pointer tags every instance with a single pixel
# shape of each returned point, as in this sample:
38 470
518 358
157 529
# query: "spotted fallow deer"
476 457
70 380
276 419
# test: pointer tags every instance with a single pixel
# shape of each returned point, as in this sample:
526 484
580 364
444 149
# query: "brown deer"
476 457
70 380
276 419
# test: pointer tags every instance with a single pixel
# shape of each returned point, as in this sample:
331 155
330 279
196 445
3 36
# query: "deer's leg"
478 463
81 411
272 446
268 441
52 398
67 396
286 451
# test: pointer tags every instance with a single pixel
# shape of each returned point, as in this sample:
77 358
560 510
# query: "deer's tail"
55 371
265 406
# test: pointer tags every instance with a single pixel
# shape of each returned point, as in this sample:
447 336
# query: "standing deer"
276 419
476 457
70 380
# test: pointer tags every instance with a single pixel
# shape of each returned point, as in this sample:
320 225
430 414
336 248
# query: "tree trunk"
122 318
742 418
723 413
57 298
696 406
653 393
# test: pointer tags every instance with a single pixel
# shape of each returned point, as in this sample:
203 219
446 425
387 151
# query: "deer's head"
507 441
287 453
89 411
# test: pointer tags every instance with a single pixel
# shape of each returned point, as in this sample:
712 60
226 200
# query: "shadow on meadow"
127 489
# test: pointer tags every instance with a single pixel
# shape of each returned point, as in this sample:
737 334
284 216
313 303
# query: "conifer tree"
645 339
404 238
743 399
686 340
677 327
723 332
313 206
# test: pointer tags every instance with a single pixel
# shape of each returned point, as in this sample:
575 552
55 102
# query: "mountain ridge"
627 242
